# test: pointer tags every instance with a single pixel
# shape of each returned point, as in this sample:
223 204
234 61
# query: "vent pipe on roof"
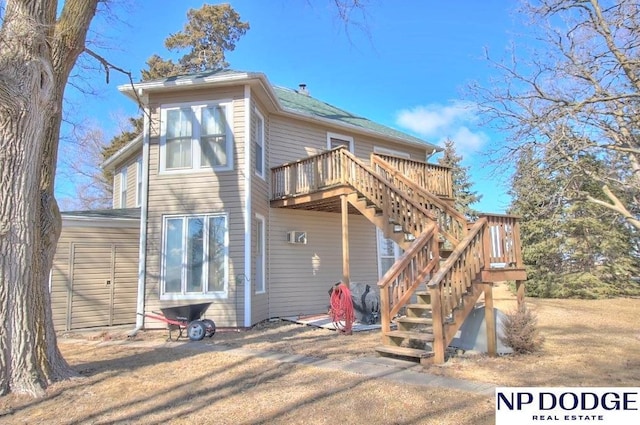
302 89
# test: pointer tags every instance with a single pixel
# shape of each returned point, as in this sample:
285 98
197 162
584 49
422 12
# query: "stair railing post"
438 325
385 319
486 246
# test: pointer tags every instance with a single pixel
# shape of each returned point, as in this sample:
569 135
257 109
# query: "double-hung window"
195 137
195 256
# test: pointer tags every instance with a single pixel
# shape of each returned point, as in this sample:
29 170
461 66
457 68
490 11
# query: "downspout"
142 255
247 207
430 154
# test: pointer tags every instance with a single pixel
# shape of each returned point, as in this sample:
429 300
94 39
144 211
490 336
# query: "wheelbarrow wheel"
210 327
196 330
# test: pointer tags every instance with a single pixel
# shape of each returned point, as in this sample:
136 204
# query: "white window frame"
261 287
196 153
138 182
397 251
123 187
259 141
183 295
341 137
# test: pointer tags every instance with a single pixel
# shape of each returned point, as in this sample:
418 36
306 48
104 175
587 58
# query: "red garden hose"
342 308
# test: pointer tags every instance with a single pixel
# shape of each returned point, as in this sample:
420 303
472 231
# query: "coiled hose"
341 311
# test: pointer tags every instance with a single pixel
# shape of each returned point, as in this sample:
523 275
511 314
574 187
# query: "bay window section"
178 139
213 137
195 257
196 137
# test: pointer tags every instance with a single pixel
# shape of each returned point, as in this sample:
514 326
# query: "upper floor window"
258 138
196 137
123 187
139 182
334 140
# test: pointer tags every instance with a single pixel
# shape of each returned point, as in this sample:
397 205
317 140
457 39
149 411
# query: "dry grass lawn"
588 343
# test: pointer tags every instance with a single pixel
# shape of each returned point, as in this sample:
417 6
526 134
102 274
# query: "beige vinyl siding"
292 140
260 196
301 275
85 258
201 192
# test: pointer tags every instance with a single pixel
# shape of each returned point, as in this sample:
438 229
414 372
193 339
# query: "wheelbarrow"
187 317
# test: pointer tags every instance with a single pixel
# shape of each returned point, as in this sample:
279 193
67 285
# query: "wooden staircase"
447 261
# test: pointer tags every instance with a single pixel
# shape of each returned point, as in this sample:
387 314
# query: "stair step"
420 336
420 306
403 351
445 253
415 320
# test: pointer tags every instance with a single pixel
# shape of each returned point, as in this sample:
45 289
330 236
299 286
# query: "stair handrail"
406 274
446 215
452 281
395 205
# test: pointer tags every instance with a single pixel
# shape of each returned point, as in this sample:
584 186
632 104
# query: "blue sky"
407 69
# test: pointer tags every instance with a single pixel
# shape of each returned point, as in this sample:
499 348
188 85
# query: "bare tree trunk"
37 54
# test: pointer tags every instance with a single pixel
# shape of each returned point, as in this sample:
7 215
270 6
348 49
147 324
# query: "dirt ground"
145 381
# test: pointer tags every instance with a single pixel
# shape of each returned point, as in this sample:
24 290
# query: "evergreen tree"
571 247
209 33
463 194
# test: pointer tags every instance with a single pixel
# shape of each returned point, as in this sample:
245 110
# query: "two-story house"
258 199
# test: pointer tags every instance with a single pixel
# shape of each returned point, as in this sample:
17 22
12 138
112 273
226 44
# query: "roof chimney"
302 89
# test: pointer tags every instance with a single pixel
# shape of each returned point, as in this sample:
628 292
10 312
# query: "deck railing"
502 241
403 278
432 177
452 224
307 175
340 167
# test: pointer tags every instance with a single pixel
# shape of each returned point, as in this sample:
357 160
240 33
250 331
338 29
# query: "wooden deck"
410 202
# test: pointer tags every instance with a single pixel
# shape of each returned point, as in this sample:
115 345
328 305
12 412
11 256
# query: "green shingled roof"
305 104
290 100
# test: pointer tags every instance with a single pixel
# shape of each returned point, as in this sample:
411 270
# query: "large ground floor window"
195 256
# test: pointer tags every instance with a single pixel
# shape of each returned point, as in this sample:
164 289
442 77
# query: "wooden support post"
489 318
438 326
345 239
520 293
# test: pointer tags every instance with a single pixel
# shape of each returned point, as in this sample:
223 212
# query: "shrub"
520 331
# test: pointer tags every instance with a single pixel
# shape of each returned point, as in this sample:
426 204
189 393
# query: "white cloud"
437 123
